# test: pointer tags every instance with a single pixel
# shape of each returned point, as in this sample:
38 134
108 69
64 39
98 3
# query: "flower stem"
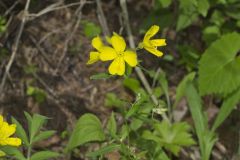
137 69
29 152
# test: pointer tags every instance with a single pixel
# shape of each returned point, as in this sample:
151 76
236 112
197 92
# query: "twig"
55 7
11 8
102 19
137 69
15 47
72 33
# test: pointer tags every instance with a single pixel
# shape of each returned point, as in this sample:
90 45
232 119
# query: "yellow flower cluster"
6 131
120 55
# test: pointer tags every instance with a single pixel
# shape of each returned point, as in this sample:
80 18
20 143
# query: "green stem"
29 152
137 69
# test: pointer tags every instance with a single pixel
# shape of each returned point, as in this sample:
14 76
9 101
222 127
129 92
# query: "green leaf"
38 94
43 135
101 76
44 155
206 138
90 29
30 69
87 129
112 125
219 67
124 132
195 106
228 105
185 20
187 15
134 108
164 84
181 88
14 152
165 3
20 132
132 84
203 6
36 123
106 149
211 33
112 100
171 136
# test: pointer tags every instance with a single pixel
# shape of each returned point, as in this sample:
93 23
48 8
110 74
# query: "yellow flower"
94 55
6 131
151 45
118 54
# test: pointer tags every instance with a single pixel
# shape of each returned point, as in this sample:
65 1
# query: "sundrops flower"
118 54
151 45
6 131
94 55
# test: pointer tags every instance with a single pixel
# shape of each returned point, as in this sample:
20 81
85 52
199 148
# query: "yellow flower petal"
1 120
158 42
151 32
108 39
7 130
131 58
13 141
97 43
154 51
107 53
10 130
2 154
117 66
118 42
4 130
94 57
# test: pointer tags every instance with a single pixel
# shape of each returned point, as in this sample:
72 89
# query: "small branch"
102 19
11 8
54 7
15 47
132 45
74 28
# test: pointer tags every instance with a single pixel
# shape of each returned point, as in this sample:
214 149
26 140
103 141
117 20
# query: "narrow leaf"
21 132
104 150
228 105
44 155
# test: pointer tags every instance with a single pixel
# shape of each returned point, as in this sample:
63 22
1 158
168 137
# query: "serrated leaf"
219 67
20 132
87 129
44 155
171 136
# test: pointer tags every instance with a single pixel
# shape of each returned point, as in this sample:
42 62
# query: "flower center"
120 54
